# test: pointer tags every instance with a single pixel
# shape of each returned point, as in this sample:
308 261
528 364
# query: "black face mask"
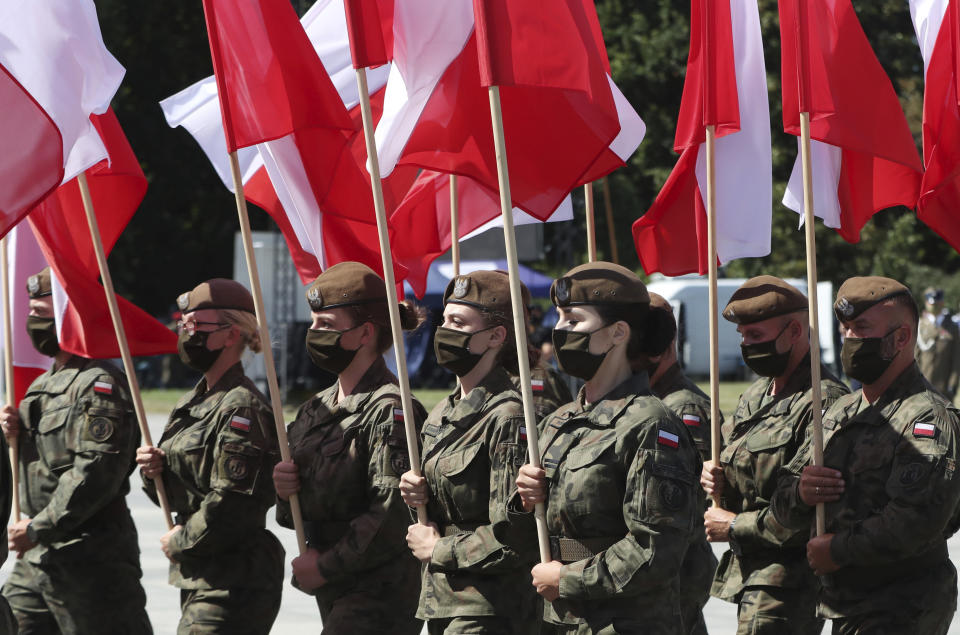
763 358
43 334
862 358
572 349
325 350
194 352
453 350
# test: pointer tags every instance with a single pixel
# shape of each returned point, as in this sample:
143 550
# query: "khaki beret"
38 285
487 290
599 283
856 295
762 298
346 284
218 293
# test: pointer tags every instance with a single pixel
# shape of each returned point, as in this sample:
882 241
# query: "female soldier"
215 458
619 477
349 450
473 443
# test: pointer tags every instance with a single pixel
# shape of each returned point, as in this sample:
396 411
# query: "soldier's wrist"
731 538
31 532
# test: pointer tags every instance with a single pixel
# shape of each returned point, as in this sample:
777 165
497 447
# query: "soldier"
215 457
473 443
349 449
619 473
764 570
938 345
8 623
687 401
889 479
78 566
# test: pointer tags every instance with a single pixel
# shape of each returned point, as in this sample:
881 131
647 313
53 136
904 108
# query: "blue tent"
441 273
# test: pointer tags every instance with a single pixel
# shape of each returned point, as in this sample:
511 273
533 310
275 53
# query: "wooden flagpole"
386 254
273 385
121 336
715 440
809 227
611 232
519 322
8 375
591 223
454 225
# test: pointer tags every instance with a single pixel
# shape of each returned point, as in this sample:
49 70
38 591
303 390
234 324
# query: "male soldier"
938 345
889 478
687 401
764 570
78 567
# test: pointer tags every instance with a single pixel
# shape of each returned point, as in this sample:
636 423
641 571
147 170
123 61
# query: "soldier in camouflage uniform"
349 449
215 457
889 478
474 442
619 469
764 570
79 562
938 345
8 623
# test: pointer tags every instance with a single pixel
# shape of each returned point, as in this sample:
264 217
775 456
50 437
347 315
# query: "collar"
670 378
464 411
612 404
202 399
376 375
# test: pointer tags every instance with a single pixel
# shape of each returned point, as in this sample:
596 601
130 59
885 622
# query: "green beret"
487 290
346 284
599 283
762 298
38 285
856 295
218 293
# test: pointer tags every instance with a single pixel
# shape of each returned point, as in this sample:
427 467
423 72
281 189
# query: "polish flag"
863 156
937 24
565 121
726 86
370 26
117 185
54 73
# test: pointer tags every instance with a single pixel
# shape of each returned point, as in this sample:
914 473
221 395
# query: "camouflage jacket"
938 353
221 446
549 390
898 457
473 448
765 435
350 456
77 448
621 471
689 403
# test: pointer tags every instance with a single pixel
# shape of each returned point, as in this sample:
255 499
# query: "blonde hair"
246 323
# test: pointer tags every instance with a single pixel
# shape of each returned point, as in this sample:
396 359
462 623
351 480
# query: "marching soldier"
889 478
215 457
349 450
78 567
764 570
938 345
619 469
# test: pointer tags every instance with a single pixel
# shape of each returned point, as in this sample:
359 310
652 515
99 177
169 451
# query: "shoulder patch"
672 495
101 429
924 430
523 433
103 387
536 385
241 424
398 415
236 467
668 439
692 420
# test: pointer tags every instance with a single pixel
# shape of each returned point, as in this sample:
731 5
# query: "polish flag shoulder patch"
103 387
240 423
398 414
523 433
924 430
668 439
536 385
692 420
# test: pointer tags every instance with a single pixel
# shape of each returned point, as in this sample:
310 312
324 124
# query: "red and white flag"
726 86
370 26
937 23
863 156
117 185
565 121
54 73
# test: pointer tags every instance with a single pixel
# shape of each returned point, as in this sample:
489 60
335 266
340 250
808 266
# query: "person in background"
938 345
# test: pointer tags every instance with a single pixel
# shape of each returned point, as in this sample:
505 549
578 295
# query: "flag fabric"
54 73
726 87
421 223
370 26
937 23
117 185
437 111
863 156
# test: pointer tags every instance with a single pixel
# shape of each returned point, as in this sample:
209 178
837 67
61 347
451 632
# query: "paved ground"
298 613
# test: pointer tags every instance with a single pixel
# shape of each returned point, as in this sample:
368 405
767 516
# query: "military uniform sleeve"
106 442
923 491
241 488
486 548
787 508
660 507
954 378
377 535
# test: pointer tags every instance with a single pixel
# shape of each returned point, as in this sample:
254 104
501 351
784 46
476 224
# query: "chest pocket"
590 479
463 483
54 443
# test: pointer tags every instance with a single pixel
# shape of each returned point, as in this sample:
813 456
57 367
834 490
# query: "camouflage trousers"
481 624
228 611
8 623
654 625
693 586
374 607
772 610
658 614
77 598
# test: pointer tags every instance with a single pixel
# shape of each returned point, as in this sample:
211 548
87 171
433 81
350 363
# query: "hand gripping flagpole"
121 336
715 440
8 375
406 401
611 232
454 225
591 222
276 401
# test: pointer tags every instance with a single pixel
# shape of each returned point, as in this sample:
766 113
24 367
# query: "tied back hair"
508 352
651 331
412 317
247 324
